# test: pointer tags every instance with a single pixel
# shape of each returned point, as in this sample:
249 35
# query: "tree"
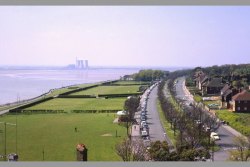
243 149
124 149
131 105
131 150
159 151
139 150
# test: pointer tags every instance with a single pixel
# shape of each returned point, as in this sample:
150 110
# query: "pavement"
3 112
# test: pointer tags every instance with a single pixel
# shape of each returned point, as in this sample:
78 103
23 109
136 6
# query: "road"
156 130
226 133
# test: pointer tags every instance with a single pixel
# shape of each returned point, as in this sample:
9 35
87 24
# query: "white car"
144 133
214 136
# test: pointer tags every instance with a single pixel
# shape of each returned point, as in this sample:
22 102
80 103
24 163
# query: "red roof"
244 95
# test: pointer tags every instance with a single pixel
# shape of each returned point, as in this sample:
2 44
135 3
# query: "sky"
162 36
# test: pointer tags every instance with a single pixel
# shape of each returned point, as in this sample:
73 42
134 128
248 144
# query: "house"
241 102
127 78
122 116
200 78
212 86
227 92
226 96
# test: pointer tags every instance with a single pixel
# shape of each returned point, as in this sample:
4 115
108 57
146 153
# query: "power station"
81 64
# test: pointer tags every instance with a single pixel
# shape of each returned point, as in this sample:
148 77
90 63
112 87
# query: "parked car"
143 123
143 118
144 133
214 136
145 126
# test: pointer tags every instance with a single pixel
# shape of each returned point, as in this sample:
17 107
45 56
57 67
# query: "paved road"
156 131
225 132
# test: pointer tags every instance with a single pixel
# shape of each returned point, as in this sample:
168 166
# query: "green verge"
166 124
197 98
239 121
55 134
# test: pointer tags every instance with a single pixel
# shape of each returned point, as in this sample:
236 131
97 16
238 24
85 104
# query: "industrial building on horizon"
81 64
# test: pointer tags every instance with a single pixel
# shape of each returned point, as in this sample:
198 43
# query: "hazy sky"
125 35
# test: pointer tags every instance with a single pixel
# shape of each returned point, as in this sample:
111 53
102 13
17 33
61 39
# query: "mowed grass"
63 90
131 82
166 124
109 90
69 104
55 134
239 121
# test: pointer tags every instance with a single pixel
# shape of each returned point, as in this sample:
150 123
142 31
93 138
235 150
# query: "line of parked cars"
144 127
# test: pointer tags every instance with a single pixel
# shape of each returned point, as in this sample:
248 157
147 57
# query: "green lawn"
131 82
197 98
63 90
68 104
53 93
239 121
55 134
109 90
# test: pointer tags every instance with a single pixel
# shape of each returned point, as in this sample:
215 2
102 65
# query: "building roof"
227 92
215 82
225 88
204 78
198 73
244 95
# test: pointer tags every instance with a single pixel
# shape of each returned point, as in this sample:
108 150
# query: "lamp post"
5 137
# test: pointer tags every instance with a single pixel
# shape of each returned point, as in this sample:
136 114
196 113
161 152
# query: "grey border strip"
113 3
125 2
123 164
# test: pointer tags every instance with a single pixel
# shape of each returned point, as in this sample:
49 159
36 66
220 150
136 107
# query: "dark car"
143 118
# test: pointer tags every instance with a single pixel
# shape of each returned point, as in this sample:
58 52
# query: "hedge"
19 109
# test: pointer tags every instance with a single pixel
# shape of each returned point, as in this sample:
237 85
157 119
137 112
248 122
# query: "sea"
19 85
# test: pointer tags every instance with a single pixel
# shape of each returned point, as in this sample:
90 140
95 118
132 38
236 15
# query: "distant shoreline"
90 68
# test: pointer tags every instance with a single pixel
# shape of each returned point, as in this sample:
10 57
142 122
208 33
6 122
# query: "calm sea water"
24 84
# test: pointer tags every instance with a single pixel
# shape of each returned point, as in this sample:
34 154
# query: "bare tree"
139 150
124 149
131 150
243 152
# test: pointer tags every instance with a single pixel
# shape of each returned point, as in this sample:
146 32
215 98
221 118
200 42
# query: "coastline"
22 85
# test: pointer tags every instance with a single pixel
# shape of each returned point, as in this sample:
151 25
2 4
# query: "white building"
81 64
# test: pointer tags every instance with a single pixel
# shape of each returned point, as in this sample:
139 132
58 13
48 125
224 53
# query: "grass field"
109 90
63 90
239 121
131 82
55 134
68 104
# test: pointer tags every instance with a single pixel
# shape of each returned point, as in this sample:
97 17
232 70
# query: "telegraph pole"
5 138
5 146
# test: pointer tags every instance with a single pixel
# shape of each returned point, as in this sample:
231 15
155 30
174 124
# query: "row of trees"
135 150
149 75
191 132
238 75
